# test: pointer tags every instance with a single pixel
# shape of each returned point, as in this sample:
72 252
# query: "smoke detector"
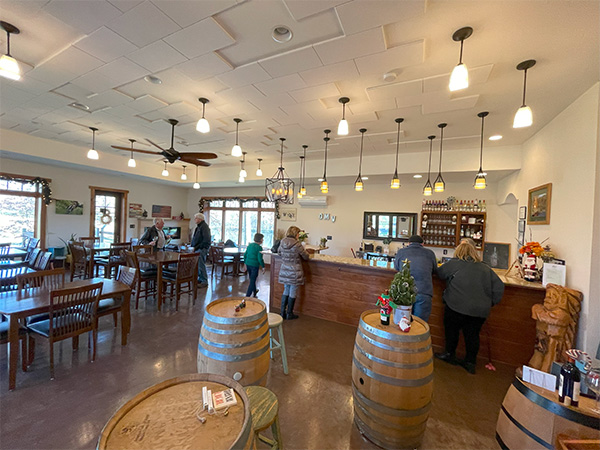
389 77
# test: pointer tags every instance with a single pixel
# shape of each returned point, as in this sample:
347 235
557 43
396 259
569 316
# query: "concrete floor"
315 398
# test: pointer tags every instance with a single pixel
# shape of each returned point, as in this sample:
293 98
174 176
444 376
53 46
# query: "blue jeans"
422 307
202 276
290 290
253 274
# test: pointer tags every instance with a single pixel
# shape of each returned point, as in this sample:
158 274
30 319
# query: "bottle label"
576 388
561 383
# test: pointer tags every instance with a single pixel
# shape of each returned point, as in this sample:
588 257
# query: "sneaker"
203 284
256 293
291 316
468 366
448 357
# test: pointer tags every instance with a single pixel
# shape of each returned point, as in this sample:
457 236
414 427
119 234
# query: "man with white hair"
201 243
154 235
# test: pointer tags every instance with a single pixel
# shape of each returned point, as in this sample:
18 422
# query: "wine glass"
592 380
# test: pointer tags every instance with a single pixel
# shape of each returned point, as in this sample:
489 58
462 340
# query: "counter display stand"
447 228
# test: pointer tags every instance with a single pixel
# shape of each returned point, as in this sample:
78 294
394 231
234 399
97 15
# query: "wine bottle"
569 383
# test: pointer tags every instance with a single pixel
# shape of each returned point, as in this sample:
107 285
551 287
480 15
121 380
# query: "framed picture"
539 205
522 226
496 255
161 211
523 213
135 210
287 214
71 207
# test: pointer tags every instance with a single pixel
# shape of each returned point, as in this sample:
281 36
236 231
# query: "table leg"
91 268
159 286
236 265
125 317
13 343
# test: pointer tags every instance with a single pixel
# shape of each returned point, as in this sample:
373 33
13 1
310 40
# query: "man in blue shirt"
422 266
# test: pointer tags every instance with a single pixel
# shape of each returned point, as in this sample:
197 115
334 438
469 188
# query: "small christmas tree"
403 290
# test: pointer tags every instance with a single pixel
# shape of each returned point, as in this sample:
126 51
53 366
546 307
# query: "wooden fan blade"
199 155
156 145
135 150
193 161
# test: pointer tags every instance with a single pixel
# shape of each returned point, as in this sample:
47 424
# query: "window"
109 206
238 220
395 226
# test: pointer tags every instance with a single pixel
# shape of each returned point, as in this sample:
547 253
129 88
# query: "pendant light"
395 183
203 126
524 116
358 184
280 188
259 170
343 125
427 189
324 185
92 153
479 182
438 184
300 195
183 175
236 150
9 67
131 162
459 79
243 173
165 172
196 184
302 188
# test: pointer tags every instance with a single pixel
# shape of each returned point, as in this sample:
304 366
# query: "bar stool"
276 321
264 409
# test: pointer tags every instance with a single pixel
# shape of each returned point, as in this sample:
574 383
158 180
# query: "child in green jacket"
254 260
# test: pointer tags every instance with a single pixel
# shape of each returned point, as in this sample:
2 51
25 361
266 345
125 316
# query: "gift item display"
447 228
569 383
383 301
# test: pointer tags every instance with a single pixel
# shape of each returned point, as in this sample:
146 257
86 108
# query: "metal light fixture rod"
302 188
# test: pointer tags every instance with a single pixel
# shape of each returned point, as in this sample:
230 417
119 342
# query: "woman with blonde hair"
472 288
291 274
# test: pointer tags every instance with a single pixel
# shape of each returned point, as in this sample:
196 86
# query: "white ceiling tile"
51 76
122 111
51 100
479 75
385 91
125 5
157 56
372 106
245 75
14 95
108 98
282 84
330 73
356 17
75 61
301 9
202 37
314 106
84 15
146 103
406 55
143 24
75 92
27 84
153 115
266 102
105 44
315 92
204 66
178 109
240 108
94 81
70 113
122 71
47 134
291 62
187 12
351 47
445 105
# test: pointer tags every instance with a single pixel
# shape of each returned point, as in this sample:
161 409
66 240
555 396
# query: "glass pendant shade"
259 172
92 153
479 182
184 176
343 127
324 187
280 188
203 126
358 184
459 78
196 185
427 190
523 117
241 179
303 190
395 183
299 194
243 173
9 68
236 150
438 184
165 172
131 162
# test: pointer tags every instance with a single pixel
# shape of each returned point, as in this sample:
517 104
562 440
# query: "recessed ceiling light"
496 137
320 179
281 34
365 178
417 176
80 106
152 79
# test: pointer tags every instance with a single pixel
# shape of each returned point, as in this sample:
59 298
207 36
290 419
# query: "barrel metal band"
503 446
240 345
241 443
233 331
233 320
386 409
393 337
389 380
556 408
517 424
393 349
379 439
233 358
385 362
388 424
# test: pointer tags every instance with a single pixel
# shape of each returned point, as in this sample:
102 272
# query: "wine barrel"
166 415
392 381
531 418
233 342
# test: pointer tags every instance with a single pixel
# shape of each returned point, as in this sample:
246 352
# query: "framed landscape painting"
538 210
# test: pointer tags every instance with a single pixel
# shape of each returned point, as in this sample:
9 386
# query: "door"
107 220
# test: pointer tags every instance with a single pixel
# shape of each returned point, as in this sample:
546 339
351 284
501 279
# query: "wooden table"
19 305
237 253
15 253
97 248
160 260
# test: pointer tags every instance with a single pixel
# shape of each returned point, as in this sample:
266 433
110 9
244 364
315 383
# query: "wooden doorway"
108 219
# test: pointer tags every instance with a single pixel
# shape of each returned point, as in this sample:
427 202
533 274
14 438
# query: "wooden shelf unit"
445 229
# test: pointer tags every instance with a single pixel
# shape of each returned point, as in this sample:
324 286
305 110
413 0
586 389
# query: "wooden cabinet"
447 228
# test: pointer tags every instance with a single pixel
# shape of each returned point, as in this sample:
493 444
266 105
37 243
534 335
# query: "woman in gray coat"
291 274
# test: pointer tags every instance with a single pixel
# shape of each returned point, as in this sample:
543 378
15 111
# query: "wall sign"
70 207
161 211
287 214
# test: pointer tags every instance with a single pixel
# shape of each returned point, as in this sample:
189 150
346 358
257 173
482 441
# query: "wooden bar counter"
339 289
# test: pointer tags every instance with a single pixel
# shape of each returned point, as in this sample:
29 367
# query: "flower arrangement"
302 236
532 248
403 290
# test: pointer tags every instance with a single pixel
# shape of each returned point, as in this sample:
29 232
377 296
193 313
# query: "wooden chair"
115 258
79 260
25 358
107 306
145 282
43 261
49 279
88 243
185 280
73 311
143 248
8 276
219 260
4 250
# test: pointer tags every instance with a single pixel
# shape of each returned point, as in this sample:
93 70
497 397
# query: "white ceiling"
98 52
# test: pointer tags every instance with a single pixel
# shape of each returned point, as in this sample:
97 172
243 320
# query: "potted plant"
386 245
72 239
323 242
303 236
403 293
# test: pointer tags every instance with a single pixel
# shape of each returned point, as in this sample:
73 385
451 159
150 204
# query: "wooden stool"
264 409
276 321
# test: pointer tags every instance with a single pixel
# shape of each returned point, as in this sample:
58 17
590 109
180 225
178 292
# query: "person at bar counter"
291 274
254 260
472 288
155 235
422 267
201 244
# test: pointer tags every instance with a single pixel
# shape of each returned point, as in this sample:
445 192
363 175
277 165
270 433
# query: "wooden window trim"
123 218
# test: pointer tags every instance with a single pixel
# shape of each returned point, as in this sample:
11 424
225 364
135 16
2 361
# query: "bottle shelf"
445 229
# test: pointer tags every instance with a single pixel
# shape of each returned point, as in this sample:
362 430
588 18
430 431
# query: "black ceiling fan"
173 155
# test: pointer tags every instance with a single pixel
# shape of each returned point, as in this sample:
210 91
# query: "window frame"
391 216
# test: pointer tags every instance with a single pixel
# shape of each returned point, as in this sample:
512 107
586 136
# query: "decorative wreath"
106 218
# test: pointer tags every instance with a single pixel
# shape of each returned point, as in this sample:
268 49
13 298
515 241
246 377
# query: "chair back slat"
49 279
130 260
187 266
43 262
127 275
143 248
4 249
73 310
33 257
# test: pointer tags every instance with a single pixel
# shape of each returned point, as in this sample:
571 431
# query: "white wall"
565 153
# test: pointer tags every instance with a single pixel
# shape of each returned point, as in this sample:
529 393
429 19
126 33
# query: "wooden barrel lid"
371 321
165 416
223 310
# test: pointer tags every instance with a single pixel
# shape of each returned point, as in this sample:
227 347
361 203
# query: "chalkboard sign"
496 255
